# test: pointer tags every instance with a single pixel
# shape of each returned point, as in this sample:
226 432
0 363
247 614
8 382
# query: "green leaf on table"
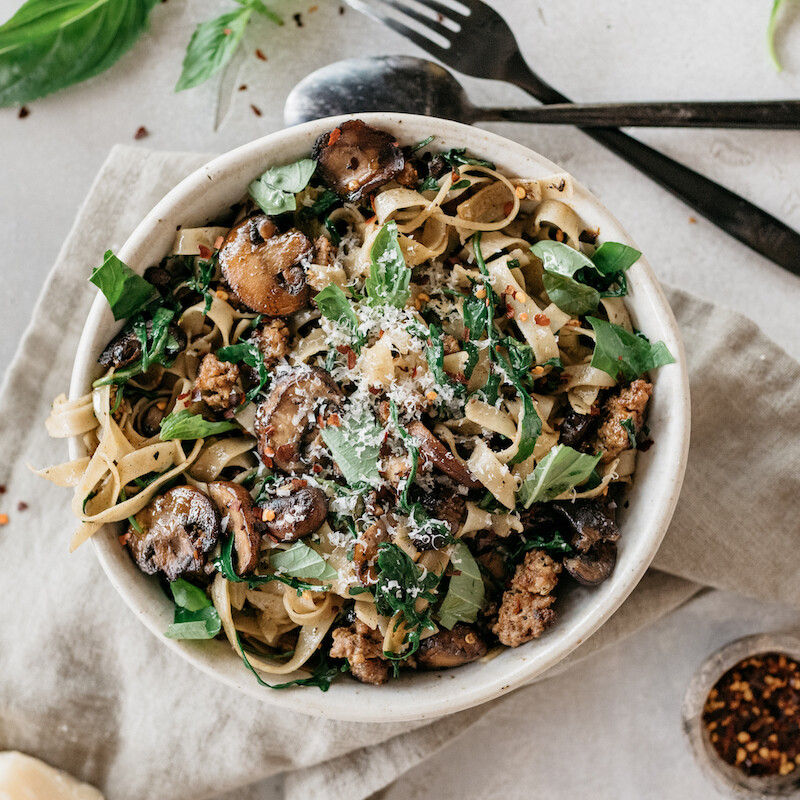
51 44
619 351
464 598
560 470
275 190
355 446
185 425
125 291
195 615
300 561
389 275
214 42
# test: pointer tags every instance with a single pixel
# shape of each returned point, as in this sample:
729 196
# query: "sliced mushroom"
127 348
264 268
178 529
290 518
366 549
453 648
287 418
594 566
591 520
432 450
355 159
446 505
576 429
234 502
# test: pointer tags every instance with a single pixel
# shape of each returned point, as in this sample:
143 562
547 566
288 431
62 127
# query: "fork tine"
428 22
441 8
421 41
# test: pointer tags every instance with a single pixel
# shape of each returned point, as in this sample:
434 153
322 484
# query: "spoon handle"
771 114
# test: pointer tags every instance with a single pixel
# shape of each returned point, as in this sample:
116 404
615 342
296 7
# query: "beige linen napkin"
85 686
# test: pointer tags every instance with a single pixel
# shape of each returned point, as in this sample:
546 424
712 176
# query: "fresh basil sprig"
185 425
300 561
195 615
125 291
618 351
559 471
275 190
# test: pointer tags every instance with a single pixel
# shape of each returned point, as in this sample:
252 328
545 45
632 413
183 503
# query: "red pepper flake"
316 469
299 483
269 451
256 110
507 208
541 319
24 112
2 488
183 396
243 87
334 420
141 133
509 312
260 55
594 411
204 251
312 9
693 220
218 242
22 506
334 135
509 289
123 540
376 390
227 31
560 236
370 221
455 176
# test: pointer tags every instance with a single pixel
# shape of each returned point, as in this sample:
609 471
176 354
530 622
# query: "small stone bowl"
729 780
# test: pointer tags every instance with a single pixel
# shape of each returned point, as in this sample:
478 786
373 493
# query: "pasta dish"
373 420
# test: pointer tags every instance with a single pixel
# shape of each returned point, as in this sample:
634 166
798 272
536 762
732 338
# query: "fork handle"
770 114
736 216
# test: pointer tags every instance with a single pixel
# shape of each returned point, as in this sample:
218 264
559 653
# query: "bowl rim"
349 700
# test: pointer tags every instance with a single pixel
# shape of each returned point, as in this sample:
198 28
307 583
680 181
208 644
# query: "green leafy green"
559 471
556 543
771 28
300 561
569 295
247 352
613 257
630 428
560 259
51 44
389 276
434 355
355 446
213 43
195 615
618 351
474 311
334 305
185 425
424 143
275 190
456 158
125 291
464 598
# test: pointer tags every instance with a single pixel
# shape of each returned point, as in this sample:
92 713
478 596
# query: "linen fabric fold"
90 690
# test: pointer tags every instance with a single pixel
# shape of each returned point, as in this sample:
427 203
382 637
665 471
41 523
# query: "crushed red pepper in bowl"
752 715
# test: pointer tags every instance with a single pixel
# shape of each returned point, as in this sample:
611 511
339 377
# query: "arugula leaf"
185 425
424 143
613 257
334 305
464 598
428 184
125 291
48 45
434 355
275 190
556 542
474 312
195 615
569 295
560 470
249 353
618 351
520 356
300 561
389 276
456 158
629 427
325 201
355 446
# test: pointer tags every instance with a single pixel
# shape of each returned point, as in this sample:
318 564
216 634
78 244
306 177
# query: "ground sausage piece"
272 339
324 251
363 649
450 344
525 613
216 382
630 403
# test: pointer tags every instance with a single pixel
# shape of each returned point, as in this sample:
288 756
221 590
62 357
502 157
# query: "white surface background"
616 717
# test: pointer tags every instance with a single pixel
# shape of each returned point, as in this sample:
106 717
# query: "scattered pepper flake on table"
22 506
24 112
752 715
141 133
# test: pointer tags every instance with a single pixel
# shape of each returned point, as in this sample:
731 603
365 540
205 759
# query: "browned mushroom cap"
287 417
234 501
354 159
295 516
591 520
126 348
263 268
431 449
446 504
178 529
451 648
594 566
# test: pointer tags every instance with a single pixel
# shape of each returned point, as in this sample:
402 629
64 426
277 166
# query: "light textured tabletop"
617 50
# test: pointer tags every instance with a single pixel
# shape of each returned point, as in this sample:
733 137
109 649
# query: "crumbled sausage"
450 344
363 649
272 339
324 251
365 552
526 610
408 176
216 382
630 403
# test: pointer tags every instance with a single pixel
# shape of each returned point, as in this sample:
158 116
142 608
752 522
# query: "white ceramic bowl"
221 183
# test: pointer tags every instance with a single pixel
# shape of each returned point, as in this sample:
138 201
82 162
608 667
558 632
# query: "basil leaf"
188 596
300 561
613 257
520 356
355 446
618 351
125 291
569 295
202 624
560 259
325 201
424 143
560 470
389 276
333 304
185 425
48 45
464 598
275 190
